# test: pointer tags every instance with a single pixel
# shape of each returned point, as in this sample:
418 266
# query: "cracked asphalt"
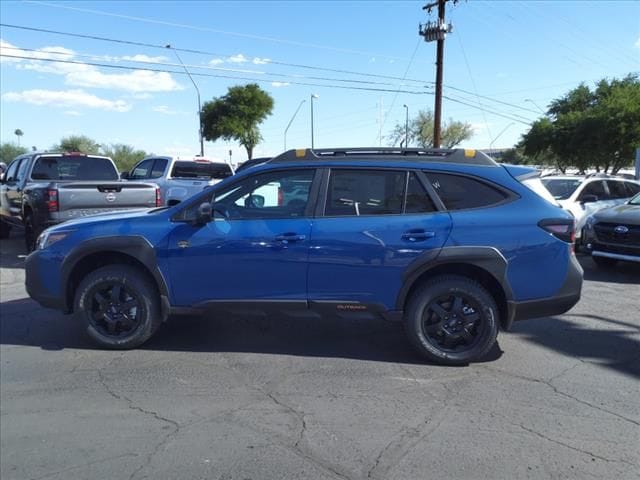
289 398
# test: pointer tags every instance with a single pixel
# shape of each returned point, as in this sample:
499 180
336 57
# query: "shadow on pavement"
12 250
23 322
622 272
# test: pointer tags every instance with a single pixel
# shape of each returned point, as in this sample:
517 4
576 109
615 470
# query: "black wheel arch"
99 252
486 265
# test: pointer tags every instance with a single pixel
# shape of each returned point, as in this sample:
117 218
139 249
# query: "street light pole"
536 105
199 104
406 126
312 97
290 122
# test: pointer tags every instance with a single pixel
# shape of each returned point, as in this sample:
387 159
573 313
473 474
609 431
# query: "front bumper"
35 286
563 301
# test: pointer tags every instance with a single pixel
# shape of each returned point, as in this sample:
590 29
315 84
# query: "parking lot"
274 398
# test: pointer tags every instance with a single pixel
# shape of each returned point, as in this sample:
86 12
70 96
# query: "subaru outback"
447 241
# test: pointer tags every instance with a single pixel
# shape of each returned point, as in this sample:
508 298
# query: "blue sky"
517 55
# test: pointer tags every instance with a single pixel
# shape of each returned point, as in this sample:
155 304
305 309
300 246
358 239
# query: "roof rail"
452 155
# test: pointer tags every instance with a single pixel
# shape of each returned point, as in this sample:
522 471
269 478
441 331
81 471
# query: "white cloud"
163 109
66 99
261 61
637 45
239 58
84 75
72 113
141 96
145 58
216 61
280 84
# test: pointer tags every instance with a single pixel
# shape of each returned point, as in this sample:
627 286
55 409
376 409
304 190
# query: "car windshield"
635 200
204 170
561 188
74 167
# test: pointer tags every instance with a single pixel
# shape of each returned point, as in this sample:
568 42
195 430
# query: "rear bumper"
563 301
35 287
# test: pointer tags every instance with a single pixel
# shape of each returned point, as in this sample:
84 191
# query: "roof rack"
453 155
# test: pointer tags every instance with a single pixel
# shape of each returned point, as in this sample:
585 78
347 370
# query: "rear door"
373 224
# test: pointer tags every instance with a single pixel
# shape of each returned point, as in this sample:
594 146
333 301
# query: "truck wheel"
452 320
119 305
5 229
31 232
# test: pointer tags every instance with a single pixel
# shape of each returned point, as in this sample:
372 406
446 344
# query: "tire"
119 305
452 320
31 232
604 262
5 230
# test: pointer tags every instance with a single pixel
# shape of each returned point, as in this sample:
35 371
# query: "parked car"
583 196
42 189
613 234
178 178
447 241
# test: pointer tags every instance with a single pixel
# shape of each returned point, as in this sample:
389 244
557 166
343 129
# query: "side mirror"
124 175
589 199
204 214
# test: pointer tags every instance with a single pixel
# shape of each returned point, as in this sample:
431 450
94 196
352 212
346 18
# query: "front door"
258 251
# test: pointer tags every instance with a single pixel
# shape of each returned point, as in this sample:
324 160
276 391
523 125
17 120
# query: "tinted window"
632 188
561 188
142 170
458 192
365 192
418 201
158 167
10 176
73 167
617 190
22 169
204 170
594 188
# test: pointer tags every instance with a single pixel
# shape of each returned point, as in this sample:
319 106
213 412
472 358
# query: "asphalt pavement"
288 398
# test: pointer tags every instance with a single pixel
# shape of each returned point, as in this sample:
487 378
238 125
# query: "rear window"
458 192
74 167
206 170
561 188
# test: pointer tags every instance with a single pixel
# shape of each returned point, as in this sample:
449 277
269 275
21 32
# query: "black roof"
454 155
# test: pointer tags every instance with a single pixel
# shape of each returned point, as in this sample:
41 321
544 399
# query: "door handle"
290 237
417 235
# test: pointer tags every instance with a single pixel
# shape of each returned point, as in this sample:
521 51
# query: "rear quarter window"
459 192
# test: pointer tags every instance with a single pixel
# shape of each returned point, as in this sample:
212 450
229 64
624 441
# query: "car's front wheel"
452 320
119 305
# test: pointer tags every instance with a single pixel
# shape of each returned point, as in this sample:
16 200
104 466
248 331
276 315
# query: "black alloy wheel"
114 309
453 322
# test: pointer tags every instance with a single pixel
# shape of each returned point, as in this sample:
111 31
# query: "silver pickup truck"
42 189
178 178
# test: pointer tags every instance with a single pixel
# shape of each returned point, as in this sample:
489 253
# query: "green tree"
421 132
9 151
18 133
587 128
124 156
237 115
77 143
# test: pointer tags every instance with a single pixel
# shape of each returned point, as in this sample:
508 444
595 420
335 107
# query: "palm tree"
18 134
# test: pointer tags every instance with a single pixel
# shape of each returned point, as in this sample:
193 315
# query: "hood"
107 217
627 214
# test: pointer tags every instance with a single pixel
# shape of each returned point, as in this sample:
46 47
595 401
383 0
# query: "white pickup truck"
177 177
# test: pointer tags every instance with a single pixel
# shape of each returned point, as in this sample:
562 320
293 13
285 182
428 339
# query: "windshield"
204 170
561 188
635 200
73 167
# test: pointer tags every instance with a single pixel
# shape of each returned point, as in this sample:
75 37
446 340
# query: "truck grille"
605 233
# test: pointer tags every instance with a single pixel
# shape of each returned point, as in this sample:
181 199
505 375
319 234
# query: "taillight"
158 198
280 197
52 200
561 228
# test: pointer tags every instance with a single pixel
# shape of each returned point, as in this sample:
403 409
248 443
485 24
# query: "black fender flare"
135 246
486 258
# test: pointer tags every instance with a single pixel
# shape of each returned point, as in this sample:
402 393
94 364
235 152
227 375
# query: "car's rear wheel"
119 305
452 320
604 262
31 232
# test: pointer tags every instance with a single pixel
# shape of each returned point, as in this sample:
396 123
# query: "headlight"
47 238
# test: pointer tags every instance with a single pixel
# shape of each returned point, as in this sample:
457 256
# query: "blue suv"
448 241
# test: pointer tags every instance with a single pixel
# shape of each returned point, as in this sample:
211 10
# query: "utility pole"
437 31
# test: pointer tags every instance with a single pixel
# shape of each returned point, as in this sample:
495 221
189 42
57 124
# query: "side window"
365 192
418 201
142 170
594 188
10 176
617 190
458 192
279 194
22 170
632 188
158 167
